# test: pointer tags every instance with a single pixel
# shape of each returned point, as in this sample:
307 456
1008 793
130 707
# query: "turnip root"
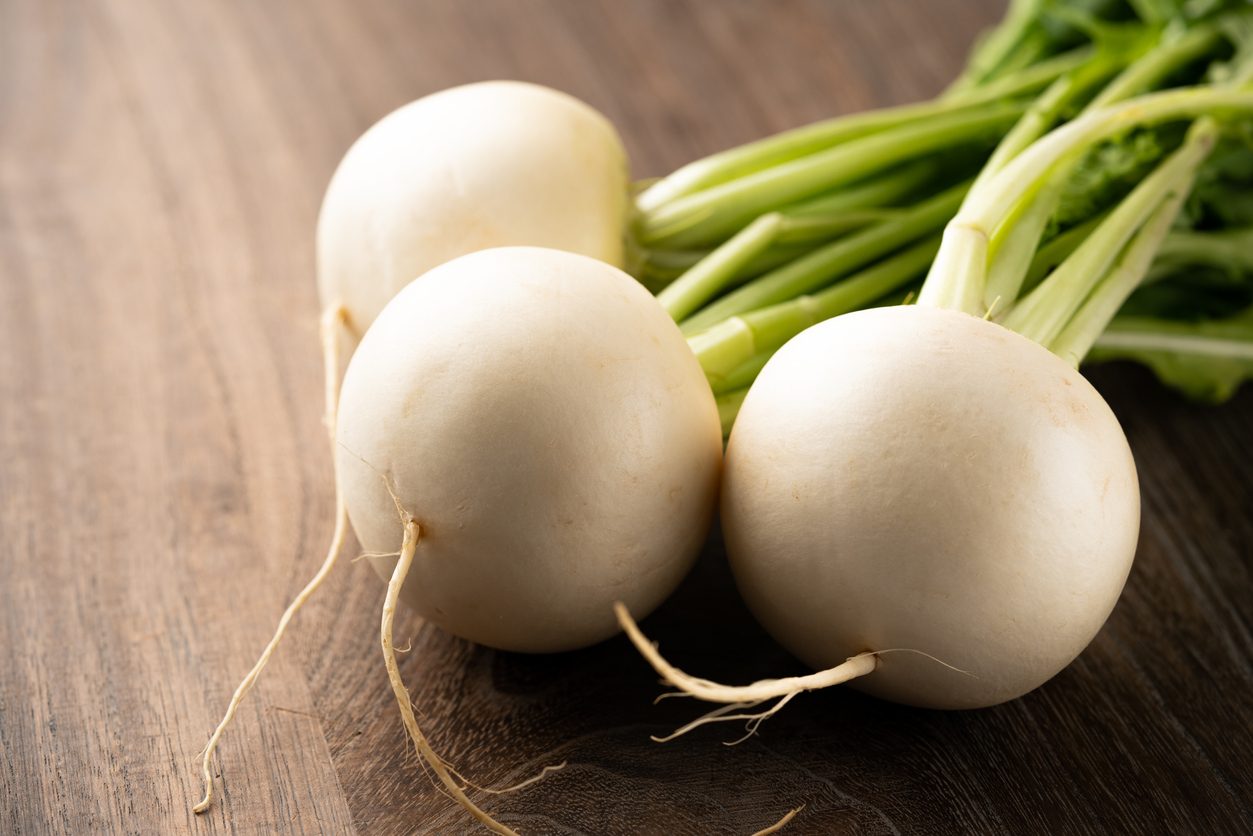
543 421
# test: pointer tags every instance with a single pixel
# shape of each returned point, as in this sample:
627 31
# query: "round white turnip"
541 419
492 164
932 497
920 478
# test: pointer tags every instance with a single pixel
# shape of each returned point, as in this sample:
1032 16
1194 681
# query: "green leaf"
1223 194
1207 361
1109 172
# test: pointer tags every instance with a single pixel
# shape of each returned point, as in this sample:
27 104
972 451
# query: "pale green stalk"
725 347
884 190
1013 181
815 229
1043 314
1221 249
712 273
1046 110
1157 64
1017 238
1058 250
729 404
819 218
790 145
1151 11
1041 116
1014 244
1129 334
730 389
662 267
996 48
781 148
959 274
717 212
742 375
773 239
826 264
1076 339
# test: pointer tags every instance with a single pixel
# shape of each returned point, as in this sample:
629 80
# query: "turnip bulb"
920 478
926 505
541 419
492 164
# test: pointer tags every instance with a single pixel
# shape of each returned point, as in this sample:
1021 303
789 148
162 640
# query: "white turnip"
914 478
527 432
492 164
540 417
920 478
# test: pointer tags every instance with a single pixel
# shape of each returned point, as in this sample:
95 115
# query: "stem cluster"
753 245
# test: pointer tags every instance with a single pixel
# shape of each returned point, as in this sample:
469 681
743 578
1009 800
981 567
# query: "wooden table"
165 486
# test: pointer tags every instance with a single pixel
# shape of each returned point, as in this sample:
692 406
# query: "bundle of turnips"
538 359
921 495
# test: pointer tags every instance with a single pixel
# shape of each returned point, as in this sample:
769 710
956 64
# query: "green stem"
790 145
1047 110
959 274
1014 244
1128 334
1011 248
708 278
1076 339
828 263
1043 314
997 197
813 229
1152 68
885 190
724 348
817 219
1024 82
1226 249
781 148
1058 250
996 47
742 375
717 212
662 267
1149 11
729 404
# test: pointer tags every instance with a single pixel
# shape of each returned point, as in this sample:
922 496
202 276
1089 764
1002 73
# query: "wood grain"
165 486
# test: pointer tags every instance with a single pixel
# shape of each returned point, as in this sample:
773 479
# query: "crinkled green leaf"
1109 172
1223 194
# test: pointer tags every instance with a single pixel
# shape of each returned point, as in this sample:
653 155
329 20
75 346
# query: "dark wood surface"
165 486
